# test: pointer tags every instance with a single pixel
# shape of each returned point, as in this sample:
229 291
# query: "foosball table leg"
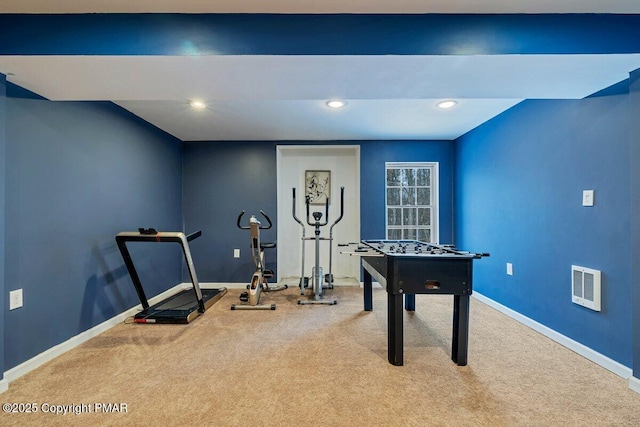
395 335
460 339
410 302
368 291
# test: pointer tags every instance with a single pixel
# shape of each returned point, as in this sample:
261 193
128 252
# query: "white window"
412 201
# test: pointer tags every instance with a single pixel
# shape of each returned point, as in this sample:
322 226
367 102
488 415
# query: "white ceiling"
283 97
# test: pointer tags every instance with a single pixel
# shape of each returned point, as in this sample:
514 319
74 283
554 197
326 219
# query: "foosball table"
408 267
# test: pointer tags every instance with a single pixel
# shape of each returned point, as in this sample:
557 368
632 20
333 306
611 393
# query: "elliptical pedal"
304 282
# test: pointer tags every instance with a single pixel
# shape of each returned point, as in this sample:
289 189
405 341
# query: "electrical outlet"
510 269
236 253
15 299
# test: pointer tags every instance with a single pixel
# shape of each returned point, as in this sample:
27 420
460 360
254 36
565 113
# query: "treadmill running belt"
180 308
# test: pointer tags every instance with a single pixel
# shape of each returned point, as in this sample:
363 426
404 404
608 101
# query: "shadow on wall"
103 297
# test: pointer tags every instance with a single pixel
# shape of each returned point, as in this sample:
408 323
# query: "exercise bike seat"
268 245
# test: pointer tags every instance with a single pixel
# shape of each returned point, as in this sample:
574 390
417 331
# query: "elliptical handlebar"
318 215
293 209
341 209
247 227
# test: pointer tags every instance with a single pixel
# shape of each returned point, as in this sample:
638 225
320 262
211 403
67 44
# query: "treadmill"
182 307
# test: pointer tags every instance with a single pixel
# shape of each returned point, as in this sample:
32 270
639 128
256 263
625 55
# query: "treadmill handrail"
194 235
166 236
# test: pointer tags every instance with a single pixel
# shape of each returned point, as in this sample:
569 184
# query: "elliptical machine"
317 276
259 281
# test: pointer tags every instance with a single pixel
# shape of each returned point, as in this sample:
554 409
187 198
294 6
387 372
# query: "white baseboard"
598 358
216 285
75 341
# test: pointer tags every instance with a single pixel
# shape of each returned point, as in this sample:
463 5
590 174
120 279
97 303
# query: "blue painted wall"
221 180
519 196
3 146
634 161
78 173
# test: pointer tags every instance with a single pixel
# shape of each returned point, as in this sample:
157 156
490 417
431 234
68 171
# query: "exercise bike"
259 280
317 276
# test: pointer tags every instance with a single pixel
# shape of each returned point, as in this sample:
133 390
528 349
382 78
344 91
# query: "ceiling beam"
327 34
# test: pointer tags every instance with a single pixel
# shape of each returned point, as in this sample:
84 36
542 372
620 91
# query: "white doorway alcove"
344 163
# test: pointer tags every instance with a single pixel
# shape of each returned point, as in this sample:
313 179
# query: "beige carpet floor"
322 366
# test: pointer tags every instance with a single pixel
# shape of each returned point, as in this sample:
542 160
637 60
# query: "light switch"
15 299
587 198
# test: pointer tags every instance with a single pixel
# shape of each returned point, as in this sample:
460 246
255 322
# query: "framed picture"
317 186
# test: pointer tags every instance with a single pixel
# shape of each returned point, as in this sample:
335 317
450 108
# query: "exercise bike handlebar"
268 220
247 227
240 226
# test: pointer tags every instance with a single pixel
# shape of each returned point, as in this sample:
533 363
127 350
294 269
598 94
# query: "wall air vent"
585 286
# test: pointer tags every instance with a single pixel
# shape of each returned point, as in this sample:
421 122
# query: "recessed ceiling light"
197 104
336 103
447 104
